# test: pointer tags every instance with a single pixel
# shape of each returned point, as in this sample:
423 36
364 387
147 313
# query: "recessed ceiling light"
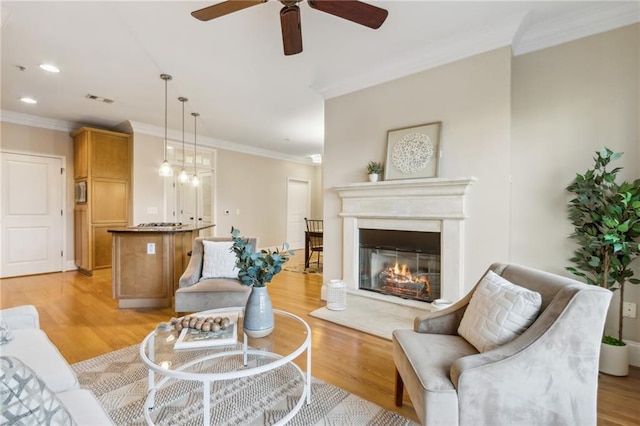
27 100
50 68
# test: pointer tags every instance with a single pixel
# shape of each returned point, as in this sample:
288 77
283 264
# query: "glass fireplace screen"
405 267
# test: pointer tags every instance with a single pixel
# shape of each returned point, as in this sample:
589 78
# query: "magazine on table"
191 338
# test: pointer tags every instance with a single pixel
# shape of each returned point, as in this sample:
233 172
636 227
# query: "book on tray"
227 334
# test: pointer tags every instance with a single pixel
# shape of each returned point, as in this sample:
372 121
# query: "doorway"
298 207
31 216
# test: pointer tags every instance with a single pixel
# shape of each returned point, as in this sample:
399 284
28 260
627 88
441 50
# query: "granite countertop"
162 229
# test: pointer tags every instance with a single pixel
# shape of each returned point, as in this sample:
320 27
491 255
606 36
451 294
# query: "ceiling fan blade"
291 30
352 10
224 8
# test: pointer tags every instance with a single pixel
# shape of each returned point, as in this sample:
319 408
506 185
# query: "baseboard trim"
634 352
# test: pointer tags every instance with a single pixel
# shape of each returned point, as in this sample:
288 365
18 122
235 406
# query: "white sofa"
37 385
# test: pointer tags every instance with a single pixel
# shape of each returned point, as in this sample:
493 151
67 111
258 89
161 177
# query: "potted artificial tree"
374 169
257 268
606 219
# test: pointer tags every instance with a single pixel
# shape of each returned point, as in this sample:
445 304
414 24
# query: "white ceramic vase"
614 360
258 314
373 177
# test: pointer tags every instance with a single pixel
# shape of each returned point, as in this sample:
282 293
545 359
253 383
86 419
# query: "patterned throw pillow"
26 400
5 333
498 312
219 261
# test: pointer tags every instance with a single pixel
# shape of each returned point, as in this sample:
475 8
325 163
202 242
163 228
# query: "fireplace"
400 263
415 206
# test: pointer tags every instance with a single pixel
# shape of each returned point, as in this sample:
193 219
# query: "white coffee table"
290 338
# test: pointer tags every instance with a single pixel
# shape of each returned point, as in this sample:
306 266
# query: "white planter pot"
614 360
373 177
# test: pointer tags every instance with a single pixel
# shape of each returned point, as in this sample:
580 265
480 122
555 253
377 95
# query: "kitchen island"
148 261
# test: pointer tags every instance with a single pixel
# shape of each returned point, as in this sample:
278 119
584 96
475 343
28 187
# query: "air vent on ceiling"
99 99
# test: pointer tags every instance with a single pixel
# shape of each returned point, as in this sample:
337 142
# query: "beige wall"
535 119
257 186
568 102
472 99
34 140
254 185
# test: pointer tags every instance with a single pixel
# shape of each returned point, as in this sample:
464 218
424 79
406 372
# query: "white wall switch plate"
151 248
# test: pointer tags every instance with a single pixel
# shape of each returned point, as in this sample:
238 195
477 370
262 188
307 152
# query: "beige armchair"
195 294
547 375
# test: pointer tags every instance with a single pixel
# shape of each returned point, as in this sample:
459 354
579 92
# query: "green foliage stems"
257 268
374 167
606 220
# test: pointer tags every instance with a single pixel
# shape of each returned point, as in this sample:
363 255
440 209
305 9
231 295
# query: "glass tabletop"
246 356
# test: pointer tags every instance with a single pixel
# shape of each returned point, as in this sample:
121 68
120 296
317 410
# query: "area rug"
119 381
296 264
371 316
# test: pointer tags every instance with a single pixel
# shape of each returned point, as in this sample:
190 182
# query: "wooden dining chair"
313 239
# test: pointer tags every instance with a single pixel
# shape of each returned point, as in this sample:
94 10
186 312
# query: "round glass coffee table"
234 362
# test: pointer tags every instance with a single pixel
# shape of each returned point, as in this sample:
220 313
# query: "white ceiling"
233 70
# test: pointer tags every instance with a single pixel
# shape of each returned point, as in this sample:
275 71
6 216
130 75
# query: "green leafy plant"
606 219
257 268
374 168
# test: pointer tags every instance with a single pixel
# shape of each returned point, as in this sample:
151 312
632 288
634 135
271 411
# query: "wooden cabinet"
147 265
102 171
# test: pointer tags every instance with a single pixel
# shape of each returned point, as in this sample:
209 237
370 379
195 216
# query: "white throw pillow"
219 261
498 312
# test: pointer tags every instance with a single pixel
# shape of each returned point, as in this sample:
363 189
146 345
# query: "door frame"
63 192
308 201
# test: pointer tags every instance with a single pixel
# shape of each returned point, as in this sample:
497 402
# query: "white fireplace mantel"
422 205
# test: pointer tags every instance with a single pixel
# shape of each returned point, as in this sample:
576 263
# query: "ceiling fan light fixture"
352 10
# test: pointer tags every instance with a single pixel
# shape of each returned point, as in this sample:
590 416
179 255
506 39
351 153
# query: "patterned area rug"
119 380
296 264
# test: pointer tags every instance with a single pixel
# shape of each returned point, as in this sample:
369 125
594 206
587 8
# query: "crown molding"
490 36
515 31
138 127
175 136
594 19
37 121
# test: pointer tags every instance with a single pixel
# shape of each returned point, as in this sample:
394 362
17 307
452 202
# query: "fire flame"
402 273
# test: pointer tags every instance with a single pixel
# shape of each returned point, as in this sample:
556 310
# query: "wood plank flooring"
83 320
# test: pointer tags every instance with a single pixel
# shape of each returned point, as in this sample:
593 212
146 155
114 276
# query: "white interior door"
298 207
31 206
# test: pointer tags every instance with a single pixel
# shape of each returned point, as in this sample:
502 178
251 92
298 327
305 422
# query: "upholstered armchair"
546 373
209 282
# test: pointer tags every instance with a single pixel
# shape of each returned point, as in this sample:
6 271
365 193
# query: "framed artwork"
81 191
413 152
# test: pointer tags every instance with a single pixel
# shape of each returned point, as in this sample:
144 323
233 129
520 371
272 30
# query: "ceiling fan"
352 10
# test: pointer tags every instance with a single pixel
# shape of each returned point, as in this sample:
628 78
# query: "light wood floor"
81 318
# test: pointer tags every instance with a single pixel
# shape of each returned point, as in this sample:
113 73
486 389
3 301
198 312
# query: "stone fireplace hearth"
435 205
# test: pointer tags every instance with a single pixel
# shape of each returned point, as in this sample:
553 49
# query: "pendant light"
195 181
165 167
183 177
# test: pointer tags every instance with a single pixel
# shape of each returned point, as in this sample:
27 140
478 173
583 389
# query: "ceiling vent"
99 99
